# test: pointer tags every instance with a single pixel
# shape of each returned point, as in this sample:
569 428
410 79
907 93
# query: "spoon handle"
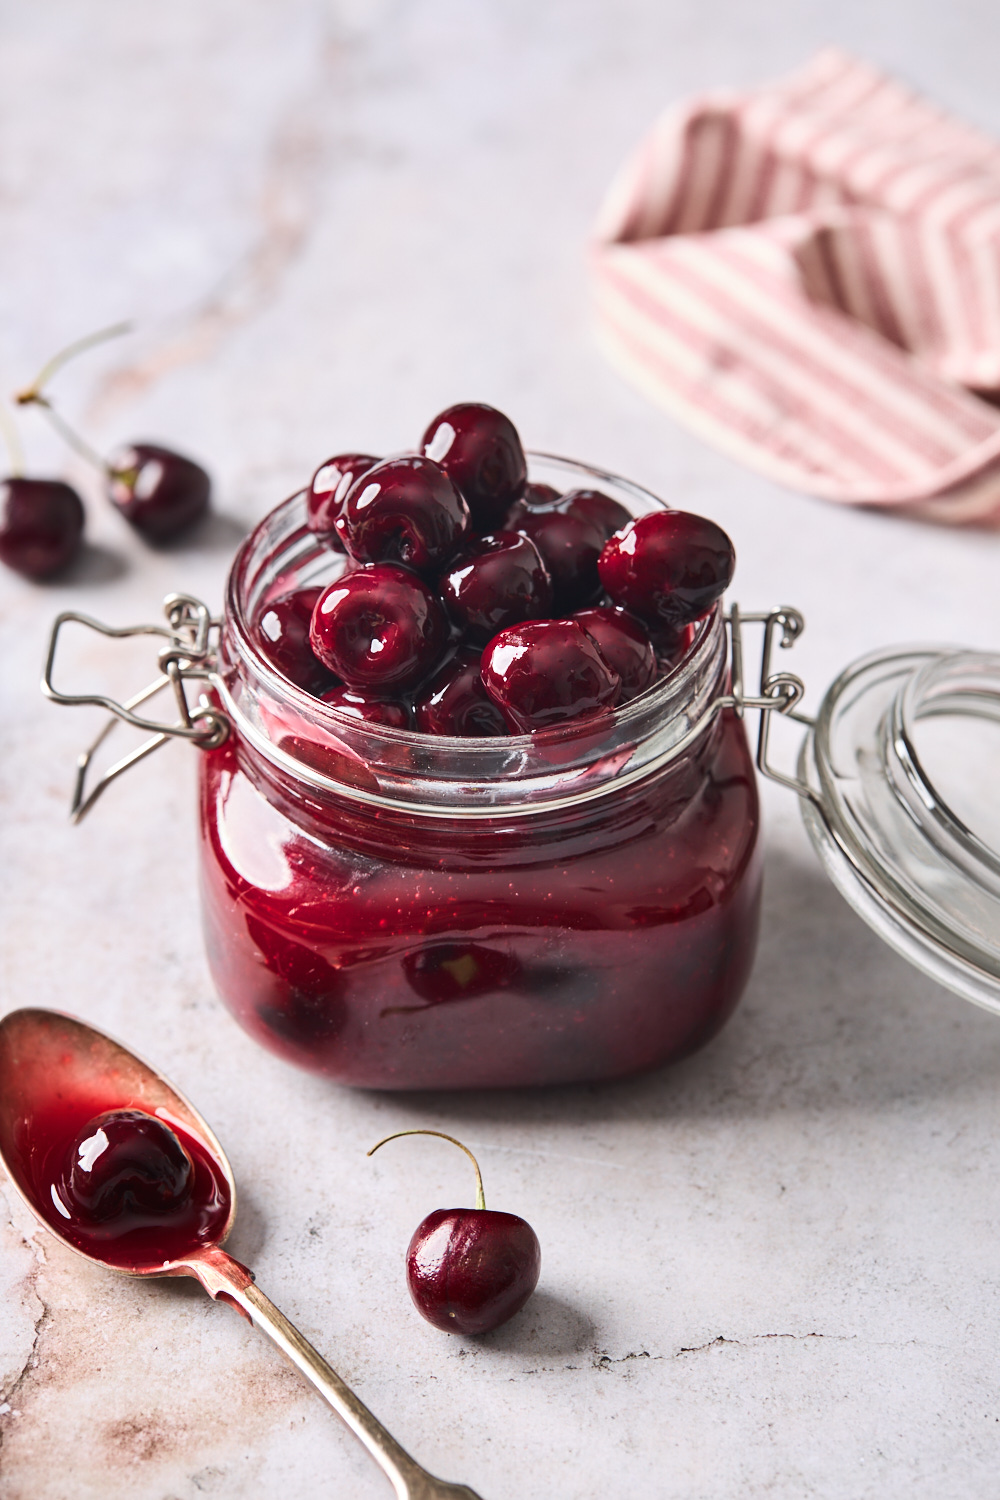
226 1276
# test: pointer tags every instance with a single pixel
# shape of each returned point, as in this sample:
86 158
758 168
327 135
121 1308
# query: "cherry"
546 672
480 449
403 510
368 707
125 1166
624 645
328 490
496 581
282 631
593 505
668 567
454 701
158 491
446 972
41 525
570 546
380 628
469 1270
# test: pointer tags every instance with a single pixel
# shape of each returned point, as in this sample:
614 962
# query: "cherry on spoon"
58 1075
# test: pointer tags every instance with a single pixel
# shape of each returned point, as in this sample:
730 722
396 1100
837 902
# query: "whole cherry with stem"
469 1270
158 491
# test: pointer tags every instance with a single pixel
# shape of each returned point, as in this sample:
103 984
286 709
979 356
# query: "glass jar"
404 911
397 910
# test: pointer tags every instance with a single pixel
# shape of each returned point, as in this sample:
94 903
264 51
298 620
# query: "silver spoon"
47 1056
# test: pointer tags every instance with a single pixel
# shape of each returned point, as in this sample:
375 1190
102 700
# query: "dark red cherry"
328 491
41 525
624 645
368 707
380 628
443 973
480 449
126 1166
404 510
282 632
668 567
496 581
455 702
570 546
607 514
546 672
469 1270
158 491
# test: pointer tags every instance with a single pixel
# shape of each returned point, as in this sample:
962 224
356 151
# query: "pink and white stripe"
809 276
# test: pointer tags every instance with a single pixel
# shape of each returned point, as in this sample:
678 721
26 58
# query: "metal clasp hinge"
188 655
778 691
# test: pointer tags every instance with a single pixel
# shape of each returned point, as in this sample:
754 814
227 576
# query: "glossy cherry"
282 631
624 645
328 491
368 707
454 701
480 449
469 1270
404 510
570 546
546 672
379 629
496 581
127 1168
668 567
593 505
158 491
41 525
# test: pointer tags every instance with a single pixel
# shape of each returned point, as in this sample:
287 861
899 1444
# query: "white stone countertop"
771 1271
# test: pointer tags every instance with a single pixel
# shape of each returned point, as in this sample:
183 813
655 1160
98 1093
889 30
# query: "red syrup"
386 950
136 1237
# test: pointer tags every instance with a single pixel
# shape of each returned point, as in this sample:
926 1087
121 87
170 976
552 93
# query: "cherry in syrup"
328 491
480 449
368 707
624 645
282 632
545 672
380 629
404 510
455 702
668 567
497 580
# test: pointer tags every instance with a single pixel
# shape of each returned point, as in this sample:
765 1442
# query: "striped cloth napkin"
808 275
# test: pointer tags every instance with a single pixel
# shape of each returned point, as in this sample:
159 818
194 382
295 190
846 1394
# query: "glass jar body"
396 911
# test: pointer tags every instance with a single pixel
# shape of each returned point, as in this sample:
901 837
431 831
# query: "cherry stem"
480 1197
79 346
66 432
12 441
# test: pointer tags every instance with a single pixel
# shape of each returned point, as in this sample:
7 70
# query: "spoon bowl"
56 1075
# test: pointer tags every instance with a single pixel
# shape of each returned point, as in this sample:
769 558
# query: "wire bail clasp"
779 692
188 655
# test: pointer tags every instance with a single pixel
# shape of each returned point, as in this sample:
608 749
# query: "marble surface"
771 1271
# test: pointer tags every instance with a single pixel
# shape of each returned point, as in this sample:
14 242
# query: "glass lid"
899 780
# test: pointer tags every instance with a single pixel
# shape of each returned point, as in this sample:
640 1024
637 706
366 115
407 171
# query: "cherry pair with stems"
158 491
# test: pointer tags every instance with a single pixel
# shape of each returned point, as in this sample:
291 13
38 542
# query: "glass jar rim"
467 777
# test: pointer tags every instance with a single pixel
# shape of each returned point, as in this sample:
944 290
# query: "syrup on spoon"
60 1077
